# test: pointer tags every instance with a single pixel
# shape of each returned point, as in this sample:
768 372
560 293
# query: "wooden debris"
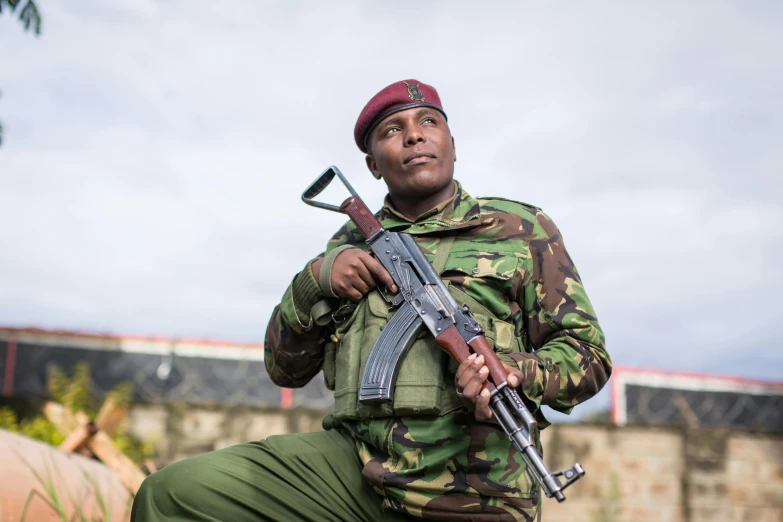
94 438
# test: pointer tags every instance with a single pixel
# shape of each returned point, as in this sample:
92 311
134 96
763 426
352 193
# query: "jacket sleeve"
294 344
570 363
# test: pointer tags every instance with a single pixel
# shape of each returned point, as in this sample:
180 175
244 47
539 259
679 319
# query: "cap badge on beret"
414 93
399 96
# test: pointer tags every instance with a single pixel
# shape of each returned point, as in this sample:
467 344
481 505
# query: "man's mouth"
418 158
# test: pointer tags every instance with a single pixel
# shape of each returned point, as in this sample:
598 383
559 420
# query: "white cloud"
155 154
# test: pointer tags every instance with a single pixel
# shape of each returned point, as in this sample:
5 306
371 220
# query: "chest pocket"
487 278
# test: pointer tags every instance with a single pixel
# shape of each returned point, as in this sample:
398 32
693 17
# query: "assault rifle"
424 301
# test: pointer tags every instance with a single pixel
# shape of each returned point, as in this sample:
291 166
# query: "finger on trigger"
382 275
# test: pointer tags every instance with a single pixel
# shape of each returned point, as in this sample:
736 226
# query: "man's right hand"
354 273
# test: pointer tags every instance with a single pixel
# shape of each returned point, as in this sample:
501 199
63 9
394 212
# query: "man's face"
414 153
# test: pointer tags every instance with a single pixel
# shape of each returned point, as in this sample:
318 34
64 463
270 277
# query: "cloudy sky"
155 152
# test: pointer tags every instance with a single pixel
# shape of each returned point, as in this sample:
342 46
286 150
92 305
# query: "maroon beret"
394 98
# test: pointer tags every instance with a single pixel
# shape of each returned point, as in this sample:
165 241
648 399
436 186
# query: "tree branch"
30 16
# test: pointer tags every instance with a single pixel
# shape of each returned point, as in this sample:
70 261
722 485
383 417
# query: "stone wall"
633 474
658 474
180 431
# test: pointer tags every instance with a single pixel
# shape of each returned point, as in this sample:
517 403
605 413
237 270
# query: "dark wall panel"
3 356
647 405
155 378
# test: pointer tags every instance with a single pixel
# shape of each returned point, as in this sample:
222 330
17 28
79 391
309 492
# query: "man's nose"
414 135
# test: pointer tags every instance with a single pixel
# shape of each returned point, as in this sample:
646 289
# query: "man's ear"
370 160
454 148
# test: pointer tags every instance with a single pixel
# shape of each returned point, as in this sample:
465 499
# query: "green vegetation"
74 393
50 485
30 17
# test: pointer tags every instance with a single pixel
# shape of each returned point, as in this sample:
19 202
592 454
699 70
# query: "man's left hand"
471 376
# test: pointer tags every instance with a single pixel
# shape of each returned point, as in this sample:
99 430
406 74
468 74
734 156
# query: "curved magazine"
387 354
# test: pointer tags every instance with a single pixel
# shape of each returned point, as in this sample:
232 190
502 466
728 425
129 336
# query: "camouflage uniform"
510 258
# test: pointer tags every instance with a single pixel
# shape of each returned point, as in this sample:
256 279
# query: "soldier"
435 453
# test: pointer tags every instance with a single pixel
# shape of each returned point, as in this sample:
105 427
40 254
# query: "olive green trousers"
309 477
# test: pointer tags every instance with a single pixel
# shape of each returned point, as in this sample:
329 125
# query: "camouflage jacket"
511 259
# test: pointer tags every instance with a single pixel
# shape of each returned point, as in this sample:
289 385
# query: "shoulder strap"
442 253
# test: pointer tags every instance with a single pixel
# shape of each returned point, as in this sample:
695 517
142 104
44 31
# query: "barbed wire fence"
228 382
704 408
166 378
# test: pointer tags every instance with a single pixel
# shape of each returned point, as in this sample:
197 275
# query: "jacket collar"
461 210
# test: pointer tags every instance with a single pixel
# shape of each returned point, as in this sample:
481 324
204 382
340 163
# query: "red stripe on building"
286 398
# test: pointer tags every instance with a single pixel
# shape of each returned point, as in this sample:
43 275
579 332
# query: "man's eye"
391 129
431 120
